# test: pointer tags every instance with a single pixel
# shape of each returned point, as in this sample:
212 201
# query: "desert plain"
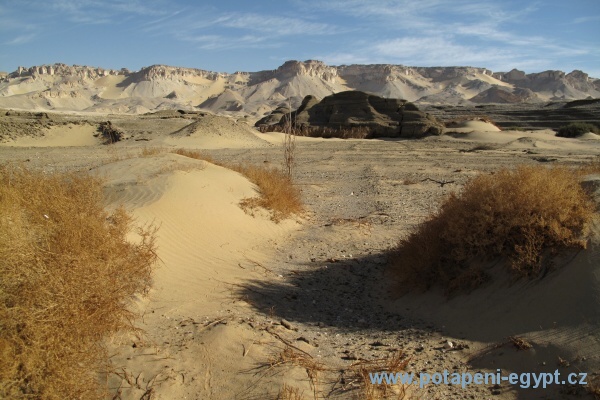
245 307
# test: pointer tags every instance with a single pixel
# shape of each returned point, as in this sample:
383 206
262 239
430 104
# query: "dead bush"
151 151
289 393
195 154
277 191
109 132
361 372
526 215
67 276
291 356
593 386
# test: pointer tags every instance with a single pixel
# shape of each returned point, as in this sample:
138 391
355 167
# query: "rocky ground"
551 115
362 198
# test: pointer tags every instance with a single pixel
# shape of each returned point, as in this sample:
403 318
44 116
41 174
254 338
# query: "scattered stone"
349 355
303 339
378 344
288 325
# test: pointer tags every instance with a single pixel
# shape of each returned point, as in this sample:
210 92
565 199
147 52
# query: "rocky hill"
355 114
90 89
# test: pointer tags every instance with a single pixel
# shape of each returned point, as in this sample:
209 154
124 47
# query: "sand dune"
277 138
473 126
559 316
529 140
207 244
60 136
213 132
204 232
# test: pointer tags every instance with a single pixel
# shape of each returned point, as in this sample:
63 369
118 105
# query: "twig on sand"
256 263
213 323
286 342
441 183
246 350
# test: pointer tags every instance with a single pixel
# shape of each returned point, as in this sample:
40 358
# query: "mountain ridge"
94 89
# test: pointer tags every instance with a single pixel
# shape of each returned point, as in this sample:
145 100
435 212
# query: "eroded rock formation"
380 117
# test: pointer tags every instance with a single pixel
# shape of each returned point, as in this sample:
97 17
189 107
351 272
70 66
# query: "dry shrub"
525 214
360 373
591 167
289 393
67 275
195 155
151 151
520 343
277 191
593 386
110 133
292 356
576 129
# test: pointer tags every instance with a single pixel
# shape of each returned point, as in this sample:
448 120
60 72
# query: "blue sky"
253 35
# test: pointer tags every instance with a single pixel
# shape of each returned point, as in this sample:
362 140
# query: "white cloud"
342 59
437 51
278 25
591 18
22 39
219 42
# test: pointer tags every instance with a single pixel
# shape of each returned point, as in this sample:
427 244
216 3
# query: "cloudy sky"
253 35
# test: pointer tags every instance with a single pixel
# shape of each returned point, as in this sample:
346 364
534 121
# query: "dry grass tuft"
593 386
289 393
520 343
526 214
291 356
195 154
592 167
359 372
277 191
151 151
67 275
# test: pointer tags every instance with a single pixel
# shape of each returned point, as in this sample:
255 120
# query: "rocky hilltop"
91 89
355 114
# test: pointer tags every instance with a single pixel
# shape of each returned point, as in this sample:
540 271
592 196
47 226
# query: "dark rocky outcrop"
110 133
274 118
379 116
503 95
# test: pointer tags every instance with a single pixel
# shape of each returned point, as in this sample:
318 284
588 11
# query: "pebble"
288 325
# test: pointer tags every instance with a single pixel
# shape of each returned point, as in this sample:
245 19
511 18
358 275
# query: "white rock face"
256 93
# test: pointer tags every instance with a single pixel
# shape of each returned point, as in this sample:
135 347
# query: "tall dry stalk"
289 146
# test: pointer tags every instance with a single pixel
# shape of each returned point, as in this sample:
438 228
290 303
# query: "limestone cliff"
64 87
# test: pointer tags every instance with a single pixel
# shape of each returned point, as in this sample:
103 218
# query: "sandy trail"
207 247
